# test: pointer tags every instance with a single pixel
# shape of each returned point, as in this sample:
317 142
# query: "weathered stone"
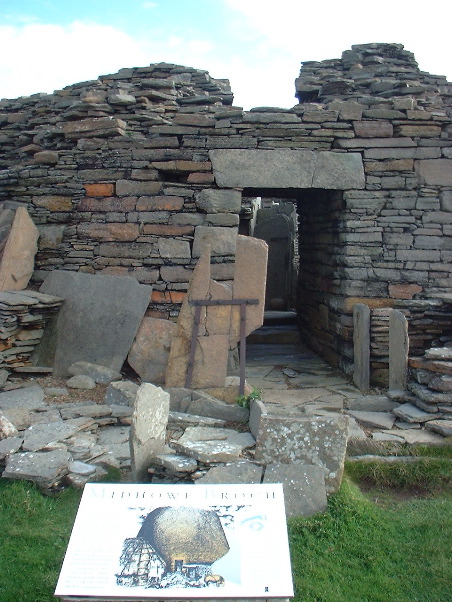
38 436
100 374
241 471
149 352
174 248
443 427
147 434
410 413
7 429
205 405
18 254
286 169
304 487
29 398
44 468
121 393
222 241
81 381
77 410
209 452
98 321
361 346
435 172
398 350
218 201
9 446
175 463
318 441
383 420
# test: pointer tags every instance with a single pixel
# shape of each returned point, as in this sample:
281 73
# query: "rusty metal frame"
198 304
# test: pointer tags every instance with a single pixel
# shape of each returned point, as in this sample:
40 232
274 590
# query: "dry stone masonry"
133 173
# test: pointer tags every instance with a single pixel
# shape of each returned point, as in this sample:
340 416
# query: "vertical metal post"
242 348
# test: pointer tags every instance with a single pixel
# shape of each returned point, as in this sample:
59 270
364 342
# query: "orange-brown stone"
99 189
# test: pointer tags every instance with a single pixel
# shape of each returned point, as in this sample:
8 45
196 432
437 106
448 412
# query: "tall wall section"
121 176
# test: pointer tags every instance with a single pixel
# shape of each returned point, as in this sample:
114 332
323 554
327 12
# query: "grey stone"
420 437
38 436
237 168
44 468
205 405
120 411
121 393
354 430
443 427
10 446
304 487
361 346
55 392
203 433
100 374
112 435
148 429
222 241
257 409
76 410
7 428
387 437
82 468
209 452
80 381
372 403
182 419
180 398
149 352
320 441
29 398
410 413
398 350
97 322
401 424
439 353
241 471
175 463
377 420
218 201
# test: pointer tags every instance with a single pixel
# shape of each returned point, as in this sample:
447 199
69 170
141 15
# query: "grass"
367 547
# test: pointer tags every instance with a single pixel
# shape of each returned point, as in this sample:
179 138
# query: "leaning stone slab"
241 471
18 256
304 487
100 374
97 322
379 420
44 468
29 398
316 440
205 405
148 428
443 427
410 413
257 410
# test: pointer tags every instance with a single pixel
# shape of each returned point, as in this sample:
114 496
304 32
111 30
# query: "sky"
258 45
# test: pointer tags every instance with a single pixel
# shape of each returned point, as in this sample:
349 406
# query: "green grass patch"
356 551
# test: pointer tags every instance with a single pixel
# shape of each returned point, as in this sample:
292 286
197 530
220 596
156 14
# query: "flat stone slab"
304 487
242 471
181 419
112 435
77 410
420 437
379 420
175 462
100 374
443 427
98 320
38 436
316 440
410 413
387 437
29 398
240 168
372 403
209 452
44 468
202 433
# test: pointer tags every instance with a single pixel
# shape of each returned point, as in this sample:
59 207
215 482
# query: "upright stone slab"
316 440
361 346
398 350
97 322
148 428
148 355
18 256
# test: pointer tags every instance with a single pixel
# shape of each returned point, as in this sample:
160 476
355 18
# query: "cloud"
150 5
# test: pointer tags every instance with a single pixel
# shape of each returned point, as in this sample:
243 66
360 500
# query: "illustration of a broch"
175 547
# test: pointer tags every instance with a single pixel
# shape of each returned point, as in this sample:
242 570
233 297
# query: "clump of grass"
425 474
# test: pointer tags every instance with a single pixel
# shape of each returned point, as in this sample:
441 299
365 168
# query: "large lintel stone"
242 168
98 321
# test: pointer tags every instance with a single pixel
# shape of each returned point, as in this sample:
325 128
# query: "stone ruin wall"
117 174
